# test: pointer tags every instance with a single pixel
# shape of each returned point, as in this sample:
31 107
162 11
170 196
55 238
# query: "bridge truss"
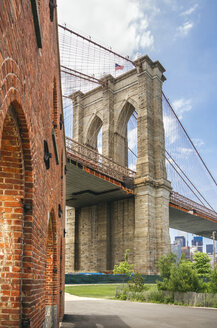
83 63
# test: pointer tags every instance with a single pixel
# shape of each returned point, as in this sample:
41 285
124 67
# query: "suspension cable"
96 44
210 174
132 152
82 74
184 180
188 179
80 77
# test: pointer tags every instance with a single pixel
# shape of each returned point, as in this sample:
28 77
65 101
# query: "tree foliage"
124 267
165 263
184 278
181 277
202 264
213 281
136 284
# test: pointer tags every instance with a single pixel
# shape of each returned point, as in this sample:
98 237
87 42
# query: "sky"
181 34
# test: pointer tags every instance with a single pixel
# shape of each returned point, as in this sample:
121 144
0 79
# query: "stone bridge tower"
98 235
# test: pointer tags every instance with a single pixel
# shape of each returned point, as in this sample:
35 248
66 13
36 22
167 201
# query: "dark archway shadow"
93 321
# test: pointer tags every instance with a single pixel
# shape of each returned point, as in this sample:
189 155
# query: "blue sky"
181 34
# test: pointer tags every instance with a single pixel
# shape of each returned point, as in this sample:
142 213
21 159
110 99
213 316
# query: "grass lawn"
96 291
106 291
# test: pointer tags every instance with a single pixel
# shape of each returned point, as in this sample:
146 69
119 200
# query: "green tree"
165 263
124 267
136 284
184 278
213 281
181 277
201 263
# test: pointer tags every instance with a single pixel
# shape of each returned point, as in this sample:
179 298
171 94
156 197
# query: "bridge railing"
191 206
92 159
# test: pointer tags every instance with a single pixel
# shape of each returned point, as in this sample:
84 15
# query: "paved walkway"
83 312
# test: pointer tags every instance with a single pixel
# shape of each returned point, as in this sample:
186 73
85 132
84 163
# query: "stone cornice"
138 62
156 183
76 94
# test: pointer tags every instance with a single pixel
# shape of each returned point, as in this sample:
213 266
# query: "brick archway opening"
51 274
61 281
12 196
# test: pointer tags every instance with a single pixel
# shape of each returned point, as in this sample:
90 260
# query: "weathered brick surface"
32 233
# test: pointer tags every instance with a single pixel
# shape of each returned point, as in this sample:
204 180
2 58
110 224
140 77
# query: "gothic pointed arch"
93 131
127 108
123 135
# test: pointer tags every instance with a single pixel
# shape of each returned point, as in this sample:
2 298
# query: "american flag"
117 67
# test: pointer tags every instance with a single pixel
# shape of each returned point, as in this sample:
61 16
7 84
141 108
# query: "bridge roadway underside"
184 221
86 187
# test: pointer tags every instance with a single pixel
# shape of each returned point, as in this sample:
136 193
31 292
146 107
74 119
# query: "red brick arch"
51 272
16 194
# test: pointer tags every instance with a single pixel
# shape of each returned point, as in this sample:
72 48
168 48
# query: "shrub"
124 267
202 264
184 278
180 277
121 293
136 283
165 263
213 281
154 295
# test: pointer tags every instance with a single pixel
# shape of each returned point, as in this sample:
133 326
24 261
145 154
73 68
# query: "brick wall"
31 194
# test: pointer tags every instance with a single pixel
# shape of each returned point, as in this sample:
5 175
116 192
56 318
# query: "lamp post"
213 237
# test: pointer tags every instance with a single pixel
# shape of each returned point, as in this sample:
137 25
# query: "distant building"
197 242
209 249
176 249
181 239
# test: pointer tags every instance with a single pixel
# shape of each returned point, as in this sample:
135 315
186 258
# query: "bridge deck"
85 186
196 224
93 178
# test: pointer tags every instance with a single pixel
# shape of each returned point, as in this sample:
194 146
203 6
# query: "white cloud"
132 139
190 10
99 141
118 23
181 106
146 40
171 131
184 29
198 142
132 166
185 151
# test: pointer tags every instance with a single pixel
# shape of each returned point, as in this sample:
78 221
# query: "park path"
82 312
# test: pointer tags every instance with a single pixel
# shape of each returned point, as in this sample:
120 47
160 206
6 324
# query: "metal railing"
191 206
92 159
